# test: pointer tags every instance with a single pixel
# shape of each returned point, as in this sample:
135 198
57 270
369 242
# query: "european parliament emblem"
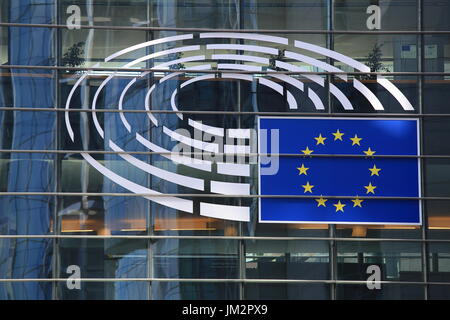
348 170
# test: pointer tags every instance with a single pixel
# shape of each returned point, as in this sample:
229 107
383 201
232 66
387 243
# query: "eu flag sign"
353 170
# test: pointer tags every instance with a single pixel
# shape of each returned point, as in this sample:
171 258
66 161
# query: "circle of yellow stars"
338 136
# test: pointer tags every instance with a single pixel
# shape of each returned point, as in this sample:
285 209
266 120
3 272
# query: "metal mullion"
420 68
281 31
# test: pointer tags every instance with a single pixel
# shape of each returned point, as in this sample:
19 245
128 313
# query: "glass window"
287 259
375 15
387 292
283 291
400 261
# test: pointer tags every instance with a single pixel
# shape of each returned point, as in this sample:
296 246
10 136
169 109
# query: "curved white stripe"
245 77
69 98
190 162
317 63
174 105
279 88
171 202
122 95
368 94
290 67
182 60
169 76
94 102
147 105
224 212
233 66
395 92
205 146
247 36
175 178
148 44
315 99
292 103
216 131
242 47
161 53
341 97
332 54
230 188
285 78
199 78
234 169
240 57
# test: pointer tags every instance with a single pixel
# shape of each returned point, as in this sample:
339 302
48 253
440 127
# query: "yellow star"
339 206
374 171
355 140
321 201
302 170
308 187
307 151
320 139
357 202
370 188
338 135
369 152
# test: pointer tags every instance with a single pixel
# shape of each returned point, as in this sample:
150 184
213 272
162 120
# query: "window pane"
277 259
282 291
400 261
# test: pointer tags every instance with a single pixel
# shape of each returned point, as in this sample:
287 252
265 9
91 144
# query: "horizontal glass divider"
224 238
118 69
211 195
250 154
286 31
261 113
206 280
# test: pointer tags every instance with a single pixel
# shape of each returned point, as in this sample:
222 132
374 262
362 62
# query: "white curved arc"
198 144
66 113
290 67
233 66
122 95
148 44
372 98
174 105
242 47
162 53
247 36
263 81
196 79
94 103
317 63
341 97
404 102
182 60
234 169
193 163
171 202
332 54
230 188
172 177
216 131
279 88
240 57
147 105
315 99
169 76
225 212
239 76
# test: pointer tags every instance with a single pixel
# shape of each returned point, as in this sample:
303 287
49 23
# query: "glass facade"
58 211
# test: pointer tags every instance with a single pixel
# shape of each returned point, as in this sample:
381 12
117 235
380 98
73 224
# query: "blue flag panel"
326 178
